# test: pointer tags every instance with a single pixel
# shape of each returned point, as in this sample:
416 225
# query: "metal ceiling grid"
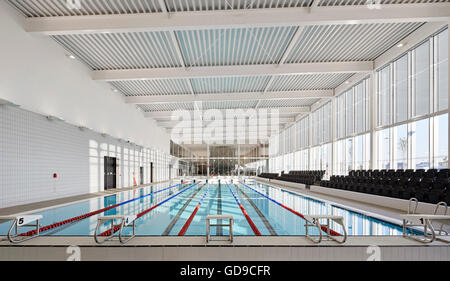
235 46
58 8
153 87
287 103
238 84
365 2
308 81
167 106
212 5
115 51
359 42
229 104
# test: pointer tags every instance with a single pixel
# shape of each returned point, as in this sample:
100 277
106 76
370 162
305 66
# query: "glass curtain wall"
411 120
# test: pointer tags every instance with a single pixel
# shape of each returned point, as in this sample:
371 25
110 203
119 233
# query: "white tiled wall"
33 148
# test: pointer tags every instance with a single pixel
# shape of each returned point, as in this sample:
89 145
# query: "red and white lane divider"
191 217
324 228
117 227
78 218
247 217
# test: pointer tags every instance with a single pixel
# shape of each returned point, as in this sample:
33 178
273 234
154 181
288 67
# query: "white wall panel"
33 148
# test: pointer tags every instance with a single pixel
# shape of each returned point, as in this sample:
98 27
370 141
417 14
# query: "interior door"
110 168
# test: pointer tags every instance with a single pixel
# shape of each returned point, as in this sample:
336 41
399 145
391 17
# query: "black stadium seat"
430 186
304 177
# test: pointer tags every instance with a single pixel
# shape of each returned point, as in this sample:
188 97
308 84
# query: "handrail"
219 217
412 200
444 204
22 221
314 220
125 221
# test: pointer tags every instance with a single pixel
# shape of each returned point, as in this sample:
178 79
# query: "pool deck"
243 248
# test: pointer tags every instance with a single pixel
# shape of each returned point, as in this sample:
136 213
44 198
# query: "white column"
333 132
373 121
448 96
207 161
239 159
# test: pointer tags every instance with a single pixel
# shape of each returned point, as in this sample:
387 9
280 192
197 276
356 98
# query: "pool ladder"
124 222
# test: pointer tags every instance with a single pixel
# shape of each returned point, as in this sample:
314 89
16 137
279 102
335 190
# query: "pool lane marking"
324 228
258 211
188 222
81 217
117 227
219 210
247 217
180 211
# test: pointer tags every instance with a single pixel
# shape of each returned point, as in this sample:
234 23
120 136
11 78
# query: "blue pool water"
180 201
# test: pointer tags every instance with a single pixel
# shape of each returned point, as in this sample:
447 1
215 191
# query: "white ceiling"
294 60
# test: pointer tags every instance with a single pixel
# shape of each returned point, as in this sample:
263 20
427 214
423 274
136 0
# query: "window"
384 96
349 155
401 89
420 133
349 112
362 152
384 149
401 147
302 133
441 48
441 141
326 122
326 158
421 79
360 107
339 157
340 110
315 158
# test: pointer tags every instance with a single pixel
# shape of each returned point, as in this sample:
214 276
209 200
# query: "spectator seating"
304 177
431 186
268 175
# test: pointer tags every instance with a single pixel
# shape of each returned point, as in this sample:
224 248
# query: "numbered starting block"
411 221
124 222
314 220
22 221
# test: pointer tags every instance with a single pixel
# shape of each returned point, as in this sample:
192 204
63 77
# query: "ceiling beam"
281 114
235 70
270 111
156 99
171 124
299 16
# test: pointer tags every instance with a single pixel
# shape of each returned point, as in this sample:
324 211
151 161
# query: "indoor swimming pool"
181 209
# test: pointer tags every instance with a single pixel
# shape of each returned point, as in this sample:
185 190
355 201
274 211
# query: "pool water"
186 206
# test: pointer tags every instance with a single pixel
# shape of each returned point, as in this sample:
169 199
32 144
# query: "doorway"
110 167
151 172
141 175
